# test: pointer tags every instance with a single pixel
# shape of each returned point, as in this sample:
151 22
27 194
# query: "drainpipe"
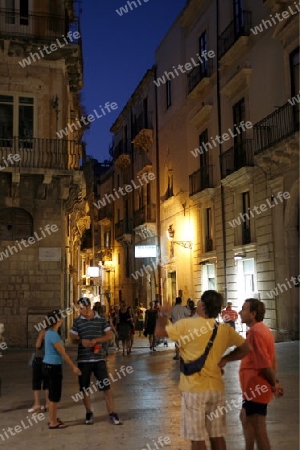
158 227
220 153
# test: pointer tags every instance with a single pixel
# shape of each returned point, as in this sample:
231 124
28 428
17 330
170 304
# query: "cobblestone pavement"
147 400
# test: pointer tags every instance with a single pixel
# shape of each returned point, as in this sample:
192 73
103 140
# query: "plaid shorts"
197 421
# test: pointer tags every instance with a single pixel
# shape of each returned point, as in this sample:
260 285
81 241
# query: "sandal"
34 409
58 426
58 421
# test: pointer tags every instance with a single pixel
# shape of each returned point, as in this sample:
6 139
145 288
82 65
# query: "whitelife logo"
10 160
86 120
33 57
108 198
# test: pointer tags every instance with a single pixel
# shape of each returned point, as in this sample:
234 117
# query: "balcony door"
16 15
16 119
238 17
204 160
238 111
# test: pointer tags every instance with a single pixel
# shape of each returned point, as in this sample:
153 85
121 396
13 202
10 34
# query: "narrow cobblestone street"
147 400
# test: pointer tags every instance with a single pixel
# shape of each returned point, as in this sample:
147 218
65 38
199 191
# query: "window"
17 11
107 239
295 76
247 281
203 51
238 111
16 117
203 140
238 6
170 184
168 93
209 277
246 233
15 223
208 234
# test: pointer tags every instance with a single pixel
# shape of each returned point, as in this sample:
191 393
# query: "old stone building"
40 180
226 78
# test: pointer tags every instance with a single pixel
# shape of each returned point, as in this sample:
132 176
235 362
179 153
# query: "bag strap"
211 341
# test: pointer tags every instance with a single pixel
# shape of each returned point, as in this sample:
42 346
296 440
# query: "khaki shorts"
197 421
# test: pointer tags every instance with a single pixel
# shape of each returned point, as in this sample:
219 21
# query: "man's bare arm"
238 353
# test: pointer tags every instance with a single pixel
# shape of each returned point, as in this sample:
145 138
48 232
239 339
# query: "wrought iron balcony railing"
122 148
38 153
240 26
106 212
201 179
276 127
143 122
38 26
143 215
123 227
204 70
236 157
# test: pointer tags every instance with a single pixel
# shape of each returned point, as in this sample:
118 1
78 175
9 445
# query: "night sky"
117 51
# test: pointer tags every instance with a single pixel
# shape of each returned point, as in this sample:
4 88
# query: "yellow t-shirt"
192 335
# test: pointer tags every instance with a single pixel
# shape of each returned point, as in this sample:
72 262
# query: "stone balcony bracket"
238 83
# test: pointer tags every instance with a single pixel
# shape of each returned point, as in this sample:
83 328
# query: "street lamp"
170 236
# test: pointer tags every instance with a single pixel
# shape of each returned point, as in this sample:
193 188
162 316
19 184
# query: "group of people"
90 331
202 345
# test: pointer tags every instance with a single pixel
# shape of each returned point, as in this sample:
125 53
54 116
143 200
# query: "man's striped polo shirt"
90 329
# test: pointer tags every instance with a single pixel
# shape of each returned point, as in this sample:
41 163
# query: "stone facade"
228 146
40 180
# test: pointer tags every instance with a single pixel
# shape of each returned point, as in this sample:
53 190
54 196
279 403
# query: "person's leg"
260 430
84 383
248 429
150 341
218 443
52 414
55 388
109 402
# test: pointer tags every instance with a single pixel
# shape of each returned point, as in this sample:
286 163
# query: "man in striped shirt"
90 331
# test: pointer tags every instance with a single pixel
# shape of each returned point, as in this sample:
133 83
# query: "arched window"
15 223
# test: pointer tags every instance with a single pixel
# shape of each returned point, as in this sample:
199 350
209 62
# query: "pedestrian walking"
202 342
229 315
123 327
178 312
132 328
55 354
257 375
140 319
151 316
39 380
90 331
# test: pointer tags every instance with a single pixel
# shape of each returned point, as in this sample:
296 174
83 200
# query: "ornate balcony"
237 32
144 221
143 131
121 154
38 153
37 26
123 231
199 78
105 215
236 157
201 179
276 127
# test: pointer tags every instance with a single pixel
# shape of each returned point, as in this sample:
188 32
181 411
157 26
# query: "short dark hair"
257 306
53 317
213 302
178 300
84 301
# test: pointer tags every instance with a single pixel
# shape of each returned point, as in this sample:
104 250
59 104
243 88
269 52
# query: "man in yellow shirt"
203 392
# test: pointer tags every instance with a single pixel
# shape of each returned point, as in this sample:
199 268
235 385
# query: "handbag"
196 366
31 359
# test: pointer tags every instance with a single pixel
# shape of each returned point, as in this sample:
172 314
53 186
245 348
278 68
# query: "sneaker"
114 418
89 418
